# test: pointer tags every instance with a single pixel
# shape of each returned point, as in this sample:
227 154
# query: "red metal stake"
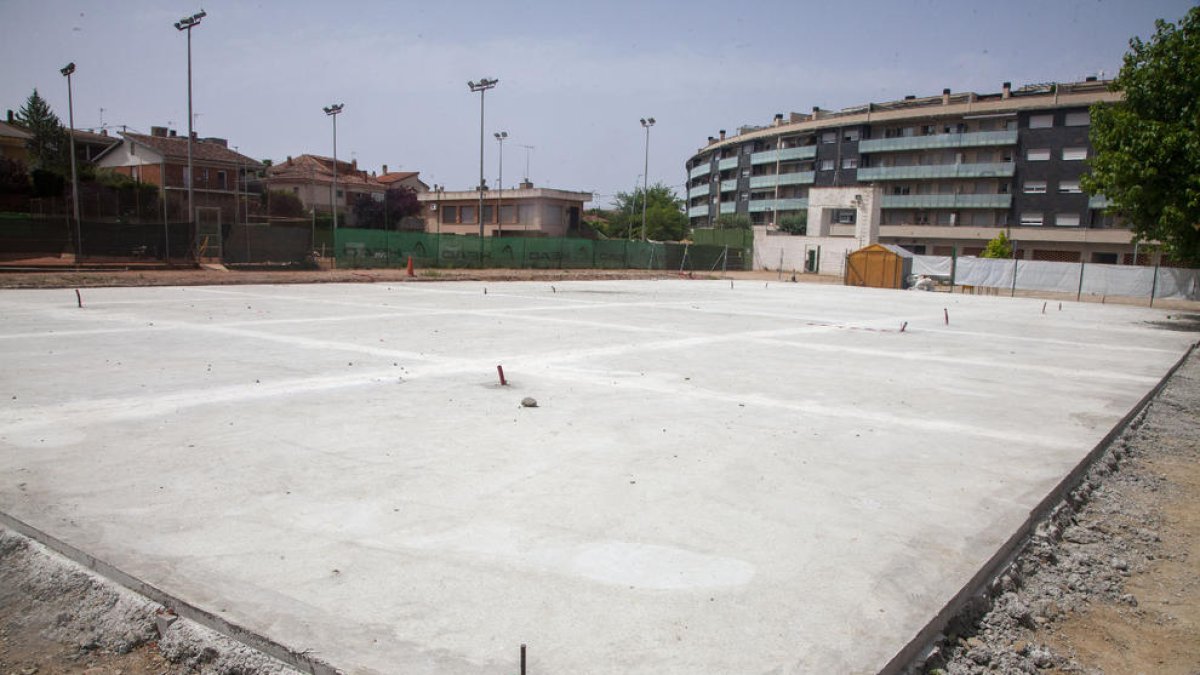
503 382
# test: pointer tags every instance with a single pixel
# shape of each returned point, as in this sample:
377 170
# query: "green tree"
283 204
665 220
1147 147
794 224
733 221
401 202
50 147
998 247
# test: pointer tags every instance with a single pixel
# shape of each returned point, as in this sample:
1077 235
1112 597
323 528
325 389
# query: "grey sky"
574 78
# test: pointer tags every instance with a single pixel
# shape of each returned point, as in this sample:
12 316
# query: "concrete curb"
295 659
905 660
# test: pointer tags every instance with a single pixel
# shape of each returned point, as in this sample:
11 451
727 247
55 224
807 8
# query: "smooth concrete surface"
766 478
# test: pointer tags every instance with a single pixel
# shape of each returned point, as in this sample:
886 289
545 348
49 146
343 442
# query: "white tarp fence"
1039 275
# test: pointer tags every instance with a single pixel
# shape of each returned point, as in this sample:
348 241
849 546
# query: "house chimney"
1090 78
816 112
158 132
722 134
711 140
195 136
778 119
173 134
10 116
384 172
910 97
526 184
1006 90
104 132
945 97
354 164
289 160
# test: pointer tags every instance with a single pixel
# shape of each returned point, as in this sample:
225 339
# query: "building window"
826 165
850 163
221 180
1070 187
1035 187
1067 219
1041 121
449 214
466 214
488 213
1037 154
845 216
829 137
1078 119
1031 218
901 189
1074 154
850 136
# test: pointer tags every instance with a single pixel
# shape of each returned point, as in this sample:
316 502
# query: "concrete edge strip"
903 661
298 660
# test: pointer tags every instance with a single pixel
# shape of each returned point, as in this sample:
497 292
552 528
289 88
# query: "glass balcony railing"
728 207
784 155
727 163
729 185
698 211
698 171
797 178
973 139
761 205
1098 202
947 201
698 191
985 170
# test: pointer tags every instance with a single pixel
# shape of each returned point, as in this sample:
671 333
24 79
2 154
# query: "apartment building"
953 170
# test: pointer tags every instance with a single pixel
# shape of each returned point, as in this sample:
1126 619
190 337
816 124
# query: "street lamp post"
646 123
481 86
67 71
333 111
501 136
187 23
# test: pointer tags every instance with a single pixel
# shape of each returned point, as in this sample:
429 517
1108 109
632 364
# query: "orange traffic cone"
410 267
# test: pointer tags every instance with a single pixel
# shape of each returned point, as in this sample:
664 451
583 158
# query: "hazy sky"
574 77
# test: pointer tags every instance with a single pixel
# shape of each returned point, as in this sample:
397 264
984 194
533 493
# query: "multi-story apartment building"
953 169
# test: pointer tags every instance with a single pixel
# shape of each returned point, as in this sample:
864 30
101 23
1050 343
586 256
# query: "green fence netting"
357 248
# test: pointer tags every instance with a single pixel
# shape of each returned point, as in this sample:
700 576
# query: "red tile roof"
177 148
314 168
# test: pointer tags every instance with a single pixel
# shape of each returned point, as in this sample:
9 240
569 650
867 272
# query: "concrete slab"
768 478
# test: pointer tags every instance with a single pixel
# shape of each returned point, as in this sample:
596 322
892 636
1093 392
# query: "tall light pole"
67 71
528 150
333 111
501 136
187 23
646 123
481 86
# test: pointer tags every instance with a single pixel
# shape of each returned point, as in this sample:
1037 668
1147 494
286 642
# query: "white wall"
768 249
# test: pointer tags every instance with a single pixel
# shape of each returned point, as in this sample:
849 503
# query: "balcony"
987 170
728 207
797 178
947 201
971 140
698 171
761 205
1099 202
784 155
698 211
699 191
727 163
729 185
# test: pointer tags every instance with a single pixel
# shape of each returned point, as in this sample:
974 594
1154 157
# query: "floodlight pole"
646 123
501 136
481 86
67 71
187 23
333 111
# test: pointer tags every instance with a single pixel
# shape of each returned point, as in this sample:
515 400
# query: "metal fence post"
1013 292
1154 284
1079 293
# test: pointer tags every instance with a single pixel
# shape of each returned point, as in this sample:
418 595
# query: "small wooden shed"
879 266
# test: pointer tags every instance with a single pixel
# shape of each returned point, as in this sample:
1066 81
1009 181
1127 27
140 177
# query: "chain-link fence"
378 248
